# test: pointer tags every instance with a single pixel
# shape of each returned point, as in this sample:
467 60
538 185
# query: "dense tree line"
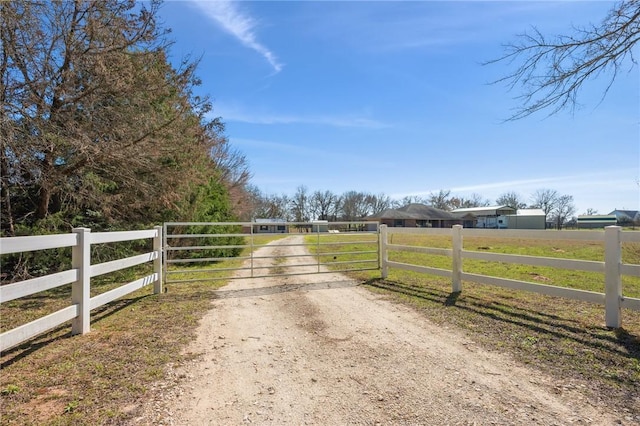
305 205
99 129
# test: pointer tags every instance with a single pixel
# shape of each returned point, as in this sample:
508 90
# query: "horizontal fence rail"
611 266
187 244
329 247
79 276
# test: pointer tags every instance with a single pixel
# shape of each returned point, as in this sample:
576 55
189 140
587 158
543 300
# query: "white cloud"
239 24
229 114
603 190
280 147
621 179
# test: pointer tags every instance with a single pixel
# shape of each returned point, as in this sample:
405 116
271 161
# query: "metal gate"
204 251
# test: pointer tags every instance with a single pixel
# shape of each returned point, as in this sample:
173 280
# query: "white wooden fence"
612 266
82 270
79 276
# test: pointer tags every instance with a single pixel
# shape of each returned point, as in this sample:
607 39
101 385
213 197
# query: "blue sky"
391 97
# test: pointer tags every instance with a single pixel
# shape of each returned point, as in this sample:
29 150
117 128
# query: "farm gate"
204 251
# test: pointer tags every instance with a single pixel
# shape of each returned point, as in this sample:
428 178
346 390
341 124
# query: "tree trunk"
43 202
44 194
8 213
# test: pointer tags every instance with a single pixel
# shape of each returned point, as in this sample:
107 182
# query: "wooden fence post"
81 288
157 263
612 276
456 281
384 257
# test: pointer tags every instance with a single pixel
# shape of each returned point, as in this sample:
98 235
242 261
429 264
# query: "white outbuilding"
524 219
502 217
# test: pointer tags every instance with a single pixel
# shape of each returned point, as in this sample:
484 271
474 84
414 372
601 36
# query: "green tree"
98 129
95 121
208 202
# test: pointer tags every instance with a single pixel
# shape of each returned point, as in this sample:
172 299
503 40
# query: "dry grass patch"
101 377
563 338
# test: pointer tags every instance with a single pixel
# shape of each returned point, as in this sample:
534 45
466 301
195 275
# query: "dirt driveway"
319 350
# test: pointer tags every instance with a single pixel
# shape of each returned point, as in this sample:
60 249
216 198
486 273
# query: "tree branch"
552 73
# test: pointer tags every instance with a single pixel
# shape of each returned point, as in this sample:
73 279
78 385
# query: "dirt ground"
319 350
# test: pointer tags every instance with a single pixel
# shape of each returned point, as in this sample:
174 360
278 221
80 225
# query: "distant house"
626 217
415 215
596 221
320 226
269 226
502 217
485 217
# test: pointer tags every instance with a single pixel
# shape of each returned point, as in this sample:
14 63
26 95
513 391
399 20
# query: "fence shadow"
283 288
63 331
619 341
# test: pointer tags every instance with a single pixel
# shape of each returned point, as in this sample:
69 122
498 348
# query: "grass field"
101 377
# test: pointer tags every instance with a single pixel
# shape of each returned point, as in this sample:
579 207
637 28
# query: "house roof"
414 211
390 214
530 212
631 214
482 211
422 211
596 216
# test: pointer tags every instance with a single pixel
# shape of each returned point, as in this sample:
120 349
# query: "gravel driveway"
319 350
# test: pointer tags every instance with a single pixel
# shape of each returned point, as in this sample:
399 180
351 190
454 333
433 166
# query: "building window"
398 223
264 227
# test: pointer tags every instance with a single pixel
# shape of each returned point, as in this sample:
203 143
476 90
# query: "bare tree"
563 210
409 199
475 200
545 199
253 203
324 205
441 200
272 207
230 163
354 206
552 70
300 204
378 203
590 211
511 199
